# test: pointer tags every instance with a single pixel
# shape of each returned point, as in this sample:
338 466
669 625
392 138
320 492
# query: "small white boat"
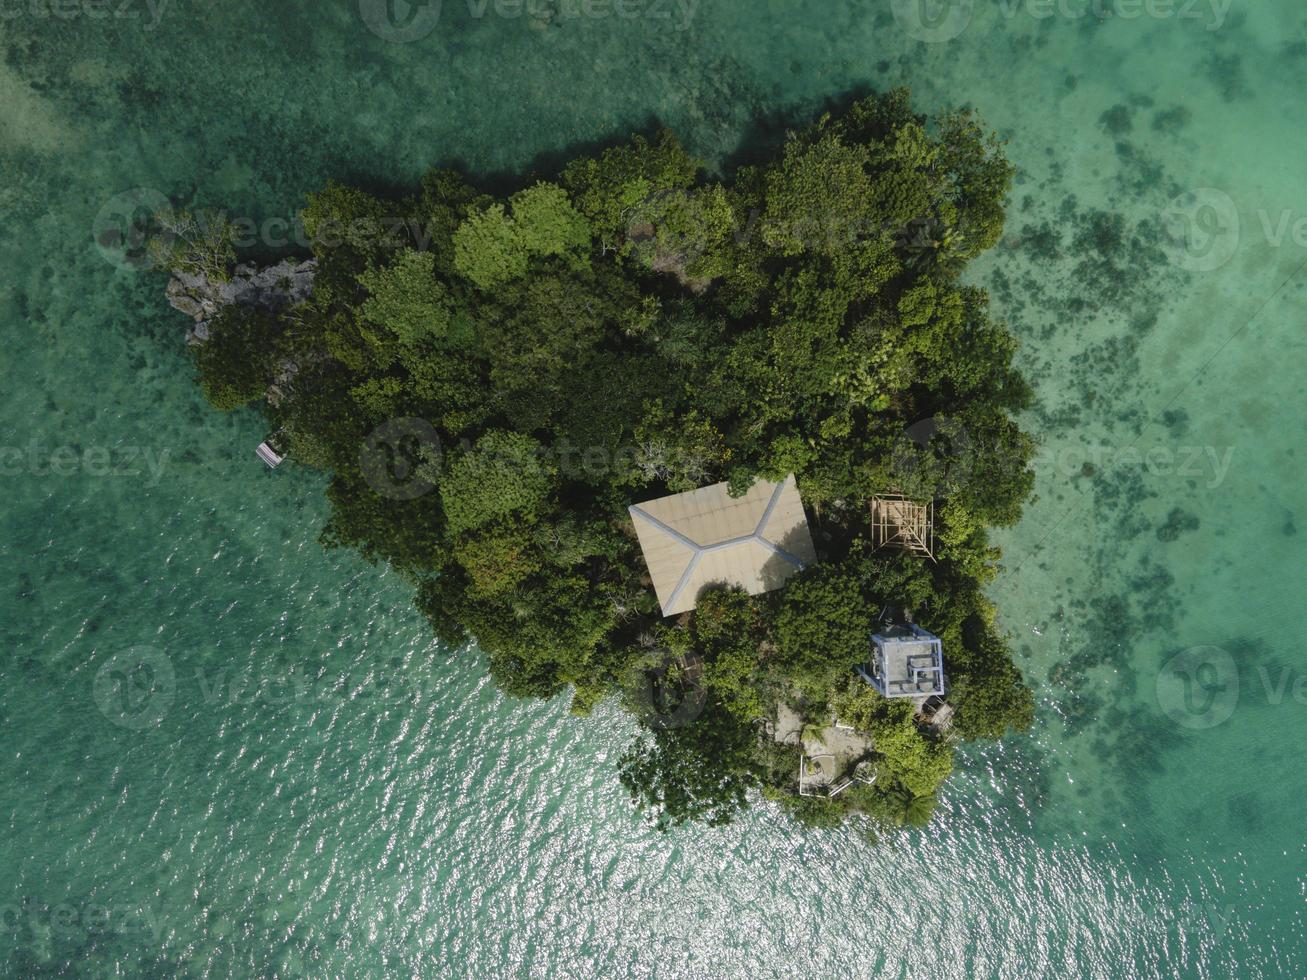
269 455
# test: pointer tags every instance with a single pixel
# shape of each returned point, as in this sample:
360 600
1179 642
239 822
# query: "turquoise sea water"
321 791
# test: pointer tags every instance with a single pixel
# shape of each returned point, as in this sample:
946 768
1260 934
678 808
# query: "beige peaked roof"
694 539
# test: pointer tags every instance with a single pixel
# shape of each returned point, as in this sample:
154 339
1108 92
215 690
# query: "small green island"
726 451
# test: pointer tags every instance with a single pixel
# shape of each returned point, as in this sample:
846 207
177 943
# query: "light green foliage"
496 245
195 244
379 397
904 755
407 300
487 249
445 200
546 222
790 453
910 758
857 703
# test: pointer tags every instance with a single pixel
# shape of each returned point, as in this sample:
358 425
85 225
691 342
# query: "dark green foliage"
822 628
813 811
699 771
240 359
630 331
990 696
617 190
350 232
503 474
1177 522
892 805
728 627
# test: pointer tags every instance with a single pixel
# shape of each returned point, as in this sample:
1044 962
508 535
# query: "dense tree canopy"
491 388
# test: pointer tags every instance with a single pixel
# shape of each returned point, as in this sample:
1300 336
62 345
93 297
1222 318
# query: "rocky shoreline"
274 287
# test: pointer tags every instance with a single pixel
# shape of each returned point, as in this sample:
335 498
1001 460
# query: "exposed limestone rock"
285 284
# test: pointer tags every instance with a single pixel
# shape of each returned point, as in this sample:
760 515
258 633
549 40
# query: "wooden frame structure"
897 522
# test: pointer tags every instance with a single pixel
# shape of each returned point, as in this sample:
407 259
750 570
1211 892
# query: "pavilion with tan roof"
705 536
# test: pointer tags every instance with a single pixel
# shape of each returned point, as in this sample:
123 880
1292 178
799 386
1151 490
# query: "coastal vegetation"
490 388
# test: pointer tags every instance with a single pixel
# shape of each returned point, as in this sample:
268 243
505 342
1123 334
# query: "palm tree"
812 732
919 810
